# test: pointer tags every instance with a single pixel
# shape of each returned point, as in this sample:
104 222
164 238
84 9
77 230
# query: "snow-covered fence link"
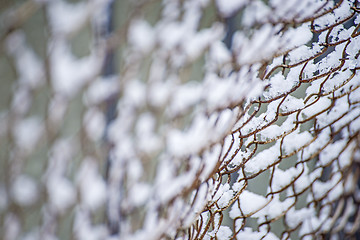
259 140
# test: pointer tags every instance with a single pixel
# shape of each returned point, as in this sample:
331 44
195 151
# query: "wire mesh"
304 159
285 167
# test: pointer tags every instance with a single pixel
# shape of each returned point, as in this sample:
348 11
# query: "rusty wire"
252 143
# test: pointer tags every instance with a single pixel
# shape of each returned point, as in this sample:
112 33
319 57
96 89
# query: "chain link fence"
134 120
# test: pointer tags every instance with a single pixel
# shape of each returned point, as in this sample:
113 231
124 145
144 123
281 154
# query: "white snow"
226 194
249 234
282 178
12 226
321 189
303 52
256 11
183 143
140 193
263 159
279 85
174 119
94 123
101 89
355 125
28 132
85 230
295 217
147 139
135 93
275 207
292 104
61 193
92 185
27 63
224 233
196 45
191 214
219 53
141 36
229 7
251 50
24 190
67 17
210 158
185 97
318 106
331 152
251 202
346 157
70 74
296 140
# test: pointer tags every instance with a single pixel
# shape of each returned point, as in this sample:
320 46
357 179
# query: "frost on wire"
189 137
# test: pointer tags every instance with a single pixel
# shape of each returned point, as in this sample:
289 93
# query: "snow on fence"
188 138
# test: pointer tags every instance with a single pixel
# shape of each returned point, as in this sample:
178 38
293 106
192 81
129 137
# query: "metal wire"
342 211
